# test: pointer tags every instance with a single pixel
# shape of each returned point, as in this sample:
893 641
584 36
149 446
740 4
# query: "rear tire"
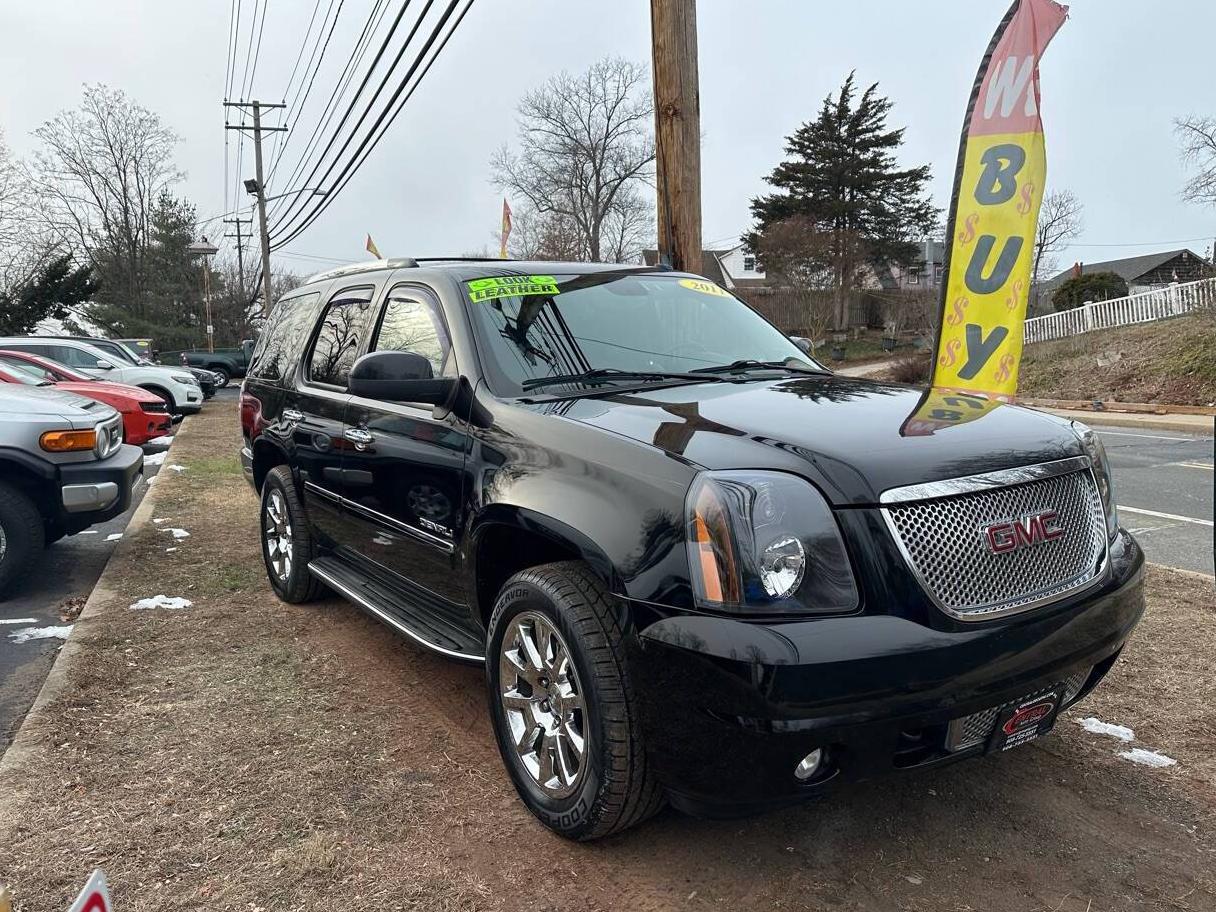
287 542
568 610
22 534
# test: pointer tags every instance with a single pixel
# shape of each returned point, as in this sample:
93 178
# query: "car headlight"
766 543
1096 451
187 379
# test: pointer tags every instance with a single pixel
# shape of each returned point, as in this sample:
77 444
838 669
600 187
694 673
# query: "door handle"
292 415
360 437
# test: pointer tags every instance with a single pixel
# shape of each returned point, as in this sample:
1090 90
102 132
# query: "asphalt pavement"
1164 487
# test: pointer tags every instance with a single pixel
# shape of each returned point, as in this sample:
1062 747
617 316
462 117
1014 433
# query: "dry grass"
246 754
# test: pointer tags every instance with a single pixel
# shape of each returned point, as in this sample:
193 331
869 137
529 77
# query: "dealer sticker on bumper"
1024 721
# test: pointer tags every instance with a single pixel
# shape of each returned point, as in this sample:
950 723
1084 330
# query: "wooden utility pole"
240 249
677 115
258 185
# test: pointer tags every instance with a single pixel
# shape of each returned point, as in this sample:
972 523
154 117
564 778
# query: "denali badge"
1013 534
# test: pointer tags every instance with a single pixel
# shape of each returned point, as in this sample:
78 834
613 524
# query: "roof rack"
365 266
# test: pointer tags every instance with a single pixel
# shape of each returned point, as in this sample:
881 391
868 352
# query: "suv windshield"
641 325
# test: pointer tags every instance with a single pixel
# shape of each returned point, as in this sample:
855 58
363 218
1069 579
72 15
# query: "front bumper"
92 492
729 708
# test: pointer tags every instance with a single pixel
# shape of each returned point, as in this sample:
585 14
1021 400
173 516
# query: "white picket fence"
1138 308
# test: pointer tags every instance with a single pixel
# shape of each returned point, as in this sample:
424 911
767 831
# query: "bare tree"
1059 223
539 235
1197 138
98 177
586 147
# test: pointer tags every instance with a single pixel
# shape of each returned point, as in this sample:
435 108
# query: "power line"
350 109
386 119
303 44
298 103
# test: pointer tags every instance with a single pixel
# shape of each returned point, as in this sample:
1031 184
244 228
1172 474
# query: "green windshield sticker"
511 287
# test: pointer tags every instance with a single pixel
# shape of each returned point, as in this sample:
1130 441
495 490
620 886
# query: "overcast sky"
1113 80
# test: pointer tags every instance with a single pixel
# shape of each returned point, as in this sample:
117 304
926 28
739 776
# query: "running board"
428 628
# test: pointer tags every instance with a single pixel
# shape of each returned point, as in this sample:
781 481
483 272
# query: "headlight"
1096 450
766 543
187 379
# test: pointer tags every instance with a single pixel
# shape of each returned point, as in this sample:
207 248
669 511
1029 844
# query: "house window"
749 262
913 277
937 274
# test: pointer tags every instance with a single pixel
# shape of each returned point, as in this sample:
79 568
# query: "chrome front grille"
940 529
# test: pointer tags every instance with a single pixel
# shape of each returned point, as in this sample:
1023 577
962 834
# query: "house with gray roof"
1142 273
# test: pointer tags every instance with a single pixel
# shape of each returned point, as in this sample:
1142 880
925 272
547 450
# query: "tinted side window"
412 322
347 319
73 357
283 336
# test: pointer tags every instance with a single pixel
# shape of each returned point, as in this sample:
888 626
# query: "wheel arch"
266 455
507 539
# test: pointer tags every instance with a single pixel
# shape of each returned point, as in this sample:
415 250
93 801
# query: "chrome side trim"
387 618
1003 478
395 524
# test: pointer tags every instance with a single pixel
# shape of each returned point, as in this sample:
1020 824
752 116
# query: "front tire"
287 542
563 709
22 534
222 377
165 395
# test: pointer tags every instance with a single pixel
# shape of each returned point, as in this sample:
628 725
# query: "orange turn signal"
67 441
718 575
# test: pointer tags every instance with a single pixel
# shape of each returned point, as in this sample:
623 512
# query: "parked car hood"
106 391
853 438
45 400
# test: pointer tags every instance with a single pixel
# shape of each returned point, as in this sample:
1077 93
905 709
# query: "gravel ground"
245 754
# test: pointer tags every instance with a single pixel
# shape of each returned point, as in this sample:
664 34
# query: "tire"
613 787
165 395
279 499
222 377
22 534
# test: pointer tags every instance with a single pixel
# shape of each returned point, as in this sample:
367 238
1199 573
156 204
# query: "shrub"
912 369
1094 286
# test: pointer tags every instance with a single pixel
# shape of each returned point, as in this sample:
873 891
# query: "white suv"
177 387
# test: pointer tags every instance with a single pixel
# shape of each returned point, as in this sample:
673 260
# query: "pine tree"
843 201
54 291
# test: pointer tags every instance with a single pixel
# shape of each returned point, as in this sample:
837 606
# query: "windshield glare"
629 322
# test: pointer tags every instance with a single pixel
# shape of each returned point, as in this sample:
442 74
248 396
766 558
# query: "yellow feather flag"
371 248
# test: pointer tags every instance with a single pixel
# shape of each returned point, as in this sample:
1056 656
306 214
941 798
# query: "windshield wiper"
749 364
601 375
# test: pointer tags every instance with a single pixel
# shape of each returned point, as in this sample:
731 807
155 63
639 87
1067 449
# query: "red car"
144 414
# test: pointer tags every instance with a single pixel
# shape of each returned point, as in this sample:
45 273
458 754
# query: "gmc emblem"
1014 534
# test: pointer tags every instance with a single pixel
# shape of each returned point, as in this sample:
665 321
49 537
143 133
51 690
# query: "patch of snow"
1098 727
381 540
150 480
170 550
178 533
18 620
159 443
114 536
159 519
154 459
88 532
1147 758
178 468
162 601
40 633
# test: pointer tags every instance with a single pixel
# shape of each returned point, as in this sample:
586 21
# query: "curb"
24 741
1191 424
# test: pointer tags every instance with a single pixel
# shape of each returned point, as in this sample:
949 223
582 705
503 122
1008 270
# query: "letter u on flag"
506 229
998 188
371 248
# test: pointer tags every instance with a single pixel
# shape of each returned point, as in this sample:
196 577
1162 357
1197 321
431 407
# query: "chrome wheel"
277 533
542 701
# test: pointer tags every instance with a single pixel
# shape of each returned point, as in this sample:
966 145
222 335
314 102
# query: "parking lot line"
1173 516
1193 465
1102 430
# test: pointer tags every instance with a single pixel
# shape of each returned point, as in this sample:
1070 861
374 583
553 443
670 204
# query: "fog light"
808 765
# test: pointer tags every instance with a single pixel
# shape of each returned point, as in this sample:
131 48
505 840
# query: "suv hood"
45 400
851 437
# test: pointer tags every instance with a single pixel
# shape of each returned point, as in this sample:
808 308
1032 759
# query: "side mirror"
803 343
105 365
399 376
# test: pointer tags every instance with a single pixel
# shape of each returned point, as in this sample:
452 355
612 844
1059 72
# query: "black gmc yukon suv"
697 566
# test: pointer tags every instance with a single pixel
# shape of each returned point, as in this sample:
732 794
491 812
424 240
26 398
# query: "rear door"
403 474
315 406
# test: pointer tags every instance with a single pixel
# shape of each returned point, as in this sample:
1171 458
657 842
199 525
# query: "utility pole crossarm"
259 189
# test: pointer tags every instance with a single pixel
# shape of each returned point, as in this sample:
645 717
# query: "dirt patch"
1170 361
246 754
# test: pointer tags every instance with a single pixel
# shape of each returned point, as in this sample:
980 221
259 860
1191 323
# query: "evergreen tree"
54 291
842 199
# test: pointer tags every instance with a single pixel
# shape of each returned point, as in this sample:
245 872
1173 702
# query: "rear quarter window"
283 338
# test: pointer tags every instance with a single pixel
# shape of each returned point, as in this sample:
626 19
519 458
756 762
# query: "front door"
316 412
403 475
